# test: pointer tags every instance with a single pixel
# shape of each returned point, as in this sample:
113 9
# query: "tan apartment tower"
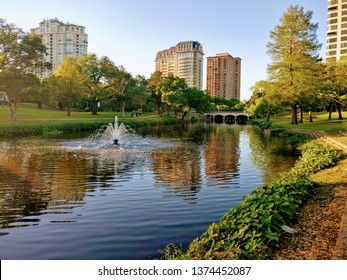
185 60
61 40
224 76
336 46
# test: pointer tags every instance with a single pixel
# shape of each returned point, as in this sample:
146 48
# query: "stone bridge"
227 117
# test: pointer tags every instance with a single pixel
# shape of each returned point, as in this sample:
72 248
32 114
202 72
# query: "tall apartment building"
224 76
337 30
185 60
61 40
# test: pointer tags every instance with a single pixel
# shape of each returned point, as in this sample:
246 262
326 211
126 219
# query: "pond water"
72 197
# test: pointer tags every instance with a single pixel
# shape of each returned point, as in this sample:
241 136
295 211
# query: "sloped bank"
253 229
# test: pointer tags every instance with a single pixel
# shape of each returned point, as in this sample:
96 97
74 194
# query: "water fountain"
116 132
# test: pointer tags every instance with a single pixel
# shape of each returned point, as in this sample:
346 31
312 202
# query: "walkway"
341 243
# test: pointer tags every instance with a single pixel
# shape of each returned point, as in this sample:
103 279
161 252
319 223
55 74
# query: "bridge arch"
228 117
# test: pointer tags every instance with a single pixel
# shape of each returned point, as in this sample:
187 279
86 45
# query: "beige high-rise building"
337 30
185 60
61 40
224 76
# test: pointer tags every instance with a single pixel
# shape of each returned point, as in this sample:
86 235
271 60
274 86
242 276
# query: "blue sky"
131 32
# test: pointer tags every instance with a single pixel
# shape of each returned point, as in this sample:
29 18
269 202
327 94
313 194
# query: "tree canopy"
293 47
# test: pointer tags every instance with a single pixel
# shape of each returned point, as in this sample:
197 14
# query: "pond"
74 197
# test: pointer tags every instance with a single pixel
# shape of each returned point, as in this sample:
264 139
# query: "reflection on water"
77 199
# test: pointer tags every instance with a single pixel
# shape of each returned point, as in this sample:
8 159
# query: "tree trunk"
39 104
310 115
294 113
339 110
184 115
13 109
301 117
94 107
331 109
68 109
162 110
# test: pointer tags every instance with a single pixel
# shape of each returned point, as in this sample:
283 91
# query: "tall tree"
67 83
100 72
20 53
335 85
293 48
152 87
171 89
122 88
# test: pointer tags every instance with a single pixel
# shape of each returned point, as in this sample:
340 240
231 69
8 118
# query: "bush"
316 157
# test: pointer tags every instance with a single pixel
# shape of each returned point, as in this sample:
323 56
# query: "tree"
16 84
197 99
68 82
335 85
100 72
152 87
293 48
171 89
265 99
141 95
122 88
20 53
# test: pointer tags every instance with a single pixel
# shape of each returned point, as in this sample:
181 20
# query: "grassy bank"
252 230
33 121
320 122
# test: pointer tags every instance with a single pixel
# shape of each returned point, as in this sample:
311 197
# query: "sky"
131 32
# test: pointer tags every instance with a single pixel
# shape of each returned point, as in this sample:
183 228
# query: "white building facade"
61 40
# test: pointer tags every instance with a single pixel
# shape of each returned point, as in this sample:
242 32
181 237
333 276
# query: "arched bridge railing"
228 117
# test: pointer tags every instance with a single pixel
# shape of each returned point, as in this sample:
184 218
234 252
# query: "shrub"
316 157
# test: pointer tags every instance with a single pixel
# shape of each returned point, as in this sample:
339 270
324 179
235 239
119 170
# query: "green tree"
20 53
67 83
265 99
100 72
196 99
17 84
293 48
152 87
122 88
172 89
141 95
335 85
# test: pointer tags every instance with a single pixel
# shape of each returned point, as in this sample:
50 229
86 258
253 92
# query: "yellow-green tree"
335 85
67 83
20 53
293 47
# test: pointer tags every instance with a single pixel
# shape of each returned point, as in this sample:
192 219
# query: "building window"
332 53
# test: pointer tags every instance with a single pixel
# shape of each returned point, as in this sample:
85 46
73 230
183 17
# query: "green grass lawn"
31 120
29 113
320 122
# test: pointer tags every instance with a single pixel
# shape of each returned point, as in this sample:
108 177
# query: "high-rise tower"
337 30
61 40
224 76
185 60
